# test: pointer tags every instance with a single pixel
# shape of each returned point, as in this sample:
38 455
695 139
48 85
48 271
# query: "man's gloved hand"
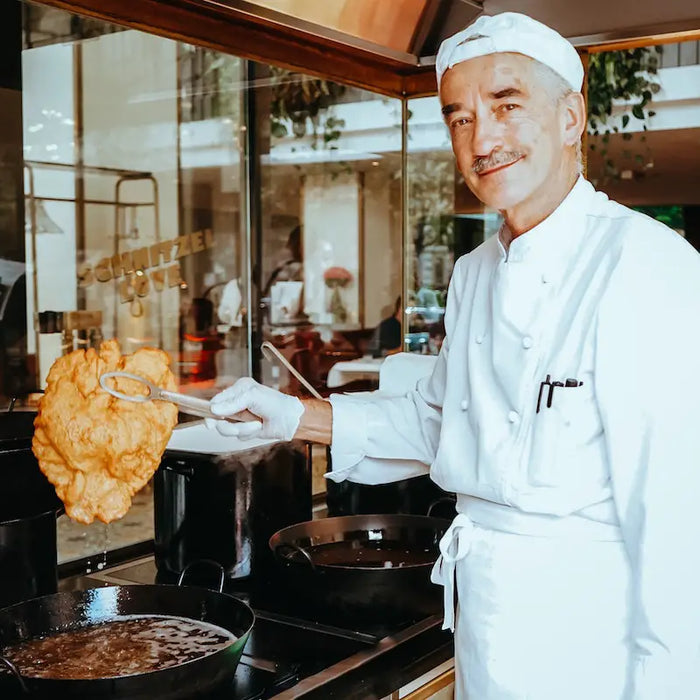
280 413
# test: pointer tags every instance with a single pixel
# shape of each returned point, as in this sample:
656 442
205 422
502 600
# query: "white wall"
130 121
47 112
331 227
382 247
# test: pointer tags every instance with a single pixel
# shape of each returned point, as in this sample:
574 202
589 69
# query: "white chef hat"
512 32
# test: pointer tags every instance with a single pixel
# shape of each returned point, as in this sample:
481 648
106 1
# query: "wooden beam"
230 31
420 83
650 40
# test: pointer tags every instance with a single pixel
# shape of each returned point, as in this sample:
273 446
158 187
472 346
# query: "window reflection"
431 188
144 189
133 191
139 171
330 206
645 153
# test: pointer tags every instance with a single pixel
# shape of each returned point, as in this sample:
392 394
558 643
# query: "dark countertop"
372 677
367 671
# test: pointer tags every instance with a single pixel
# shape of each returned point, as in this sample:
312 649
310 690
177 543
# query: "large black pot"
419 495
66 611
339 565
226 507
28 510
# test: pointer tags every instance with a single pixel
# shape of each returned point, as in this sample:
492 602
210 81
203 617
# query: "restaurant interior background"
176 196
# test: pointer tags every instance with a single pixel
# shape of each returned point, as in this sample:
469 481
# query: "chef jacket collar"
549 244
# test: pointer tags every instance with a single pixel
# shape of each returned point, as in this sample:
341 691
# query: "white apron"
534 618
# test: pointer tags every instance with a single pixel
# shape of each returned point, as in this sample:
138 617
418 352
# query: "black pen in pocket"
569 383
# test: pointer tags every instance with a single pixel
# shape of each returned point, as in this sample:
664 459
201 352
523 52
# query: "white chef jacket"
605 296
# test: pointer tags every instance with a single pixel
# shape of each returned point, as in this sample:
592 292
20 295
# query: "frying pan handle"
206 562
15 672
437 502
280 550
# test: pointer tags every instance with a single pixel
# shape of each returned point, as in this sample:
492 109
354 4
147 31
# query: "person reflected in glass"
283 292
387 338
291 266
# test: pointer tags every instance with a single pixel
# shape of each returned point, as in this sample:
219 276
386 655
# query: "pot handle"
207 562
438 501
280 550
15 672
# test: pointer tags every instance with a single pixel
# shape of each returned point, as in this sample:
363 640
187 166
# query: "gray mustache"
495 159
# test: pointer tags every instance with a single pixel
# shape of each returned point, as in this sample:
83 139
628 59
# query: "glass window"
330 212
197 205
644 154
328 273
445 221
134 199
133 189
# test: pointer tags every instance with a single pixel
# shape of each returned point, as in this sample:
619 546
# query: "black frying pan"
369 567
64 611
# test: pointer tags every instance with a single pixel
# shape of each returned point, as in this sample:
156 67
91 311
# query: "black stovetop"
288 643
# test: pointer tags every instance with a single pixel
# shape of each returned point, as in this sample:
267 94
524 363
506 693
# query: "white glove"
280 413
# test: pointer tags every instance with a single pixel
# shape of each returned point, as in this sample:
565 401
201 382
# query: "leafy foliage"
431 186
673 215
303 101
622 77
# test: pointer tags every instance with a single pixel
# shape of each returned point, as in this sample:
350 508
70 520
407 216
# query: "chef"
563 409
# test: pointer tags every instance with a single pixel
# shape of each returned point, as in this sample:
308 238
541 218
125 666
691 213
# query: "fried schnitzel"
98 450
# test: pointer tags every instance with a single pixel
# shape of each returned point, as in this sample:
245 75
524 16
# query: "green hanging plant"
620 75
304 101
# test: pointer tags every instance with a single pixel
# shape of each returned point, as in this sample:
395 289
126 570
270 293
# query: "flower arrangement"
335 278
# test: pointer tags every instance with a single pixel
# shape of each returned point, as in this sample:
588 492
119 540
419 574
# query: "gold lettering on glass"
196 242
103 271
122 264
174 279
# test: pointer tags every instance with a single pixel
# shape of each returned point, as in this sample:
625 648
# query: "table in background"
347 371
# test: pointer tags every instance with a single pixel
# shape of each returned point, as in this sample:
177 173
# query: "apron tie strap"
454 545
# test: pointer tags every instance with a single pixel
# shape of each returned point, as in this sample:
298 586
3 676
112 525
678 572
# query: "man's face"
507 135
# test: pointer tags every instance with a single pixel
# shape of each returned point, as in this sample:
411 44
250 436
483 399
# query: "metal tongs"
188 404
268 349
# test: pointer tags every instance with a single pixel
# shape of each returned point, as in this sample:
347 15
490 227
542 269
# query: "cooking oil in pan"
124 646
380 554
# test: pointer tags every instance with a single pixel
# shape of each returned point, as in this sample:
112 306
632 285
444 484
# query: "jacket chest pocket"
561 432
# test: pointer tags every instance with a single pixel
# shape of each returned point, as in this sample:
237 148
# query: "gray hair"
558 89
